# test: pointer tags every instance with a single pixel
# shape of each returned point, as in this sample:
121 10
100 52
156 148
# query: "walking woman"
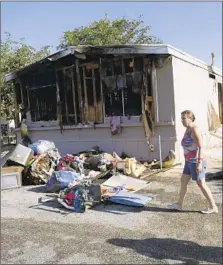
195 165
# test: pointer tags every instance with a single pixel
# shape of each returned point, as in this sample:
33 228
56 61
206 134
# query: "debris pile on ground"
81 180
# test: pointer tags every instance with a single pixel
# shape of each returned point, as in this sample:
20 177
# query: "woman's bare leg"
183 189
207 193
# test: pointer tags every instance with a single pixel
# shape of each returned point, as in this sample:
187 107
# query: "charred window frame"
92 94
68 95
123 82
39 96
80 93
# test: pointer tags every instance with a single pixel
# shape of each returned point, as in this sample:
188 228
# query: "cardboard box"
21 155
11 177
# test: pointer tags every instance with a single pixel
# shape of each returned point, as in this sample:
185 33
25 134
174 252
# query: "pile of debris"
79 180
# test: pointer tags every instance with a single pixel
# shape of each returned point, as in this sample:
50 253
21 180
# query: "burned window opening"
123 89
108 68
41 95
77 104
43 104
138 64
149 86
18 93
128 64
68 111
69 97
25 94
117 67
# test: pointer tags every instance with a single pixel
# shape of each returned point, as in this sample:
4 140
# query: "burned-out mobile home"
101 95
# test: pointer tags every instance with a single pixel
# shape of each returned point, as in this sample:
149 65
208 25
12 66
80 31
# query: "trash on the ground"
133 167
126 198
42 169
80 180
21 155
63 179
77 198
169 160
11 177
129 183
41 146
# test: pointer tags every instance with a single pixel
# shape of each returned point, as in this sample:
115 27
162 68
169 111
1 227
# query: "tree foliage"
15 55
107 31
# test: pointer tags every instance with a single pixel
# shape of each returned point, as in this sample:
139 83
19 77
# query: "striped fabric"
190 147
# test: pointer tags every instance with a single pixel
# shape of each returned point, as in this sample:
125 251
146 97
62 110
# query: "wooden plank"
58 98
102 92
65 95
80 99
220 102
145 73
123 100
91 66
94 95
154 91
38 87
149 99
86 110
74 97
152 173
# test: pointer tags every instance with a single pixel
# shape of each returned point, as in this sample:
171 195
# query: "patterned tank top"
190 147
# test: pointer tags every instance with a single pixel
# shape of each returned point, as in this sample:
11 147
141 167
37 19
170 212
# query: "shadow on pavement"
214 176
121 209
38 189
178 250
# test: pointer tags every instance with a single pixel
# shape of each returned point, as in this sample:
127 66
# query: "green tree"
107 31
15 55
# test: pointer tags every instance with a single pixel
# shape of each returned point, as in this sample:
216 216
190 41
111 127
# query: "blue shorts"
190 170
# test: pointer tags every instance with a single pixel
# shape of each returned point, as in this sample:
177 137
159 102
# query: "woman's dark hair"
189 113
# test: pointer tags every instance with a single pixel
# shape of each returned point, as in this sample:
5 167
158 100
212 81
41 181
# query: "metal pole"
160 152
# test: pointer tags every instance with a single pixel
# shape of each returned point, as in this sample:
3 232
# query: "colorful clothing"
190 147
190 169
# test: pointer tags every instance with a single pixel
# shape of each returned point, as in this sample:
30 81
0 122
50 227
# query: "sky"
194 27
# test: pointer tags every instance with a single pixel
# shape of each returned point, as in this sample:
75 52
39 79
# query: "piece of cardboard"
21 155
129 183
11 177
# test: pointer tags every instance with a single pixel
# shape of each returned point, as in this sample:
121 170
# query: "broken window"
122 84
68 96
18 93
43 104
40 94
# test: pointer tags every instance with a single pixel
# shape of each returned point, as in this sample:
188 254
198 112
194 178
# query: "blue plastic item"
79 202
130 199
34 147
61 179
